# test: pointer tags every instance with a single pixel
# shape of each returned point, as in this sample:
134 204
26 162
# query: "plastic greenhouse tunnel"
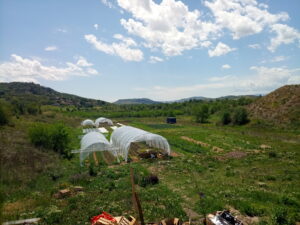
93 142
122 137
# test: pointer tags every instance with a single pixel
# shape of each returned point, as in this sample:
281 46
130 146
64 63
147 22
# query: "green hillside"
35 93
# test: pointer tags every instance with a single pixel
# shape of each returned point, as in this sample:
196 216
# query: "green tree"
4 115
51 136
225 118
201 113
240 116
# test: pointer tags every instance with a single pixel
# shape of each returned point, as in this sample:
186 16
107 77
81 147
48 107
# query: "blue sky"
159 49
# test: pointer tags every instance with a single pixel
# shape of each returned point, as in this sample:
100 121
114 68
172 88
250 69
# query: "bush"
54 136
4 115
201 114
240 116
280 216
225 118
33 109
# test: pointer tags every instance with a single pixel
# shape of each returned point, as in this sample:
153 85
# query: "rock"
78 188
217 149
263 146
262 184
64 193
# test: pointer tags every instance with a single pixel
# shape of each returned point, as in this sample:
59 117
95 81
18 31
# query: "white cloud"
220 49
254 46
226 66
284 35
122 49
279 58
171 27
62 30
224 78
108 3
155 59
261 80
25 69
83 62
51 48
243 17
96 26
168 26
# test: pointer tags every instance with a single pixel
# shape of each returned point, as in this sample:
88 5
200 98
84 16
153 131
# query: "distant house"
171 120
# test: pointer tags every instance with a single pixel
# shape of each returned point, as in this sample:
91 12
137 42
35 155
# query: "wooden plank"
136 199
26 221
95 159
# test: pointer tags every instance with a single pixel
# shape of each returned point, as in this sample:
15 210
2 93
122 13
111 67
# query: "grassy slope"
261 183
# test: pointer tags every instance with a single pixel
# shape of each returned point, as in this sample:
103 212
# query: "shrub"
4 115
225 118
51 136
240 116
201 114
33 109
272 154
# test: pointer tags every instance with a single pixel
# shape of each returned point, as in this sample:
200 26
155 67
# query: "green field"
250 168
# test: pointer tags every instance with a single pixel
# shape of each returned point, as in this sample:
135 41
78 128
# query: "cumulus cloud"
220 49
168 26
25 69
126 48
51 48
155 59
284 35
243 18
226 66
171 27
260 80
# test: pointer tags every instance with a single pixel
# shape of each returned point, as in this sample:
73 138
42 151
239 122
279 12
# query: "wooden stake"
95 159
136 199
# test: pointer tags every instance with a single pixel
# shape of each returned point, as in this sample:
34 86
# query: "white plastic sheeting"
93 141
103 130
114 127
87 122
88 130
122 137
102 120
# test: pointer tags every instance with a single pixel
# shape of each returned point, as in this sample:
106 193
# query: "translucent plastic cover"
122 137
87 122
93 141
102 120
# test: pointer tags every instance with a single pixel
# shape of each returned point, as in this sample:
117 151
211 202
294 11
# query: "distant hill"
136 101
281 106
31 92
197 98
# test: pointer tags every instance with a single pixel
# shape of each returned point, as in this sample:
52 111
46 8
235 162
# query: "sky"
157 49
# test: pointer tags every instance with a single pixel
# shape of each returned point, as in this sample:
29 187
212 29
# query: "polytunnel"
92 142
102 120
122 137
87 122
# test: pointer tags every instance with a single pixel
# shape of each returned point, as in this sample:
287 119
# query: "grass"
263 182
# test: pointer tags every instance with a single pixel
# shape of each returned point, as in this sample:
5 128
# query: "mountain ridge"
31 92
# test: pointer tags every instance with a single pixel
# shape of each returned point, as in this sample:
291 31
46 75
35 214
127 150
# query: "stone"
65 192
78 188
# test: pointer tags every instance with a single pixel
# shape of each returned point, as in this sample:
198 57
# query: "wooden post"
136 199
95 159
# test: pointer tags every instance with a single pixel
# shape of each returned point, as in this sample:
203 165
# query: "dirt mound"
281 106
